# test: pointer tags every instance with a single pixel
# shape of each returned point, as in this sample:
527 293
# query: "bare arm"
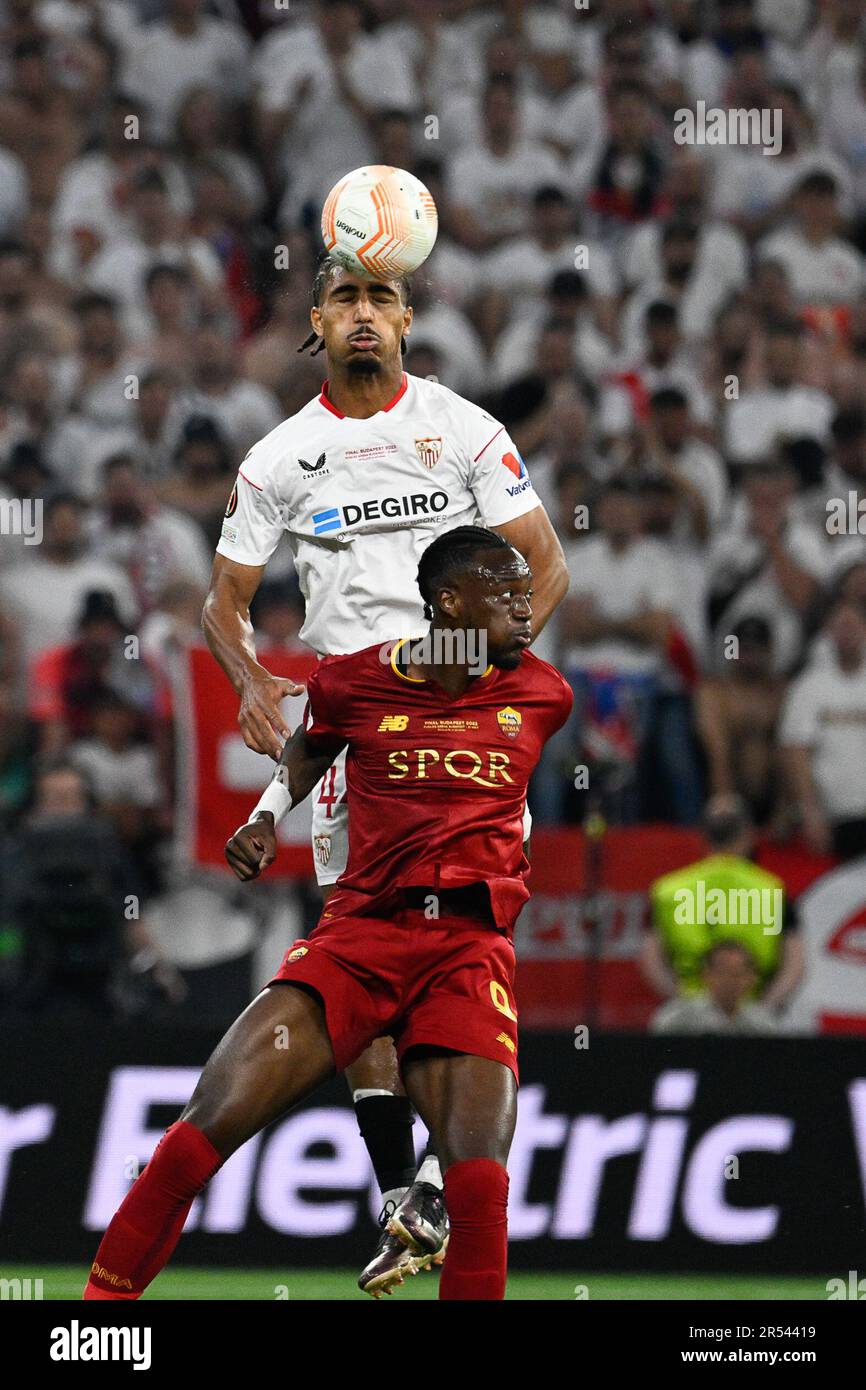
796 763
303 763
538 543
582 623
789 974
226 624
713 732
797 584
654 967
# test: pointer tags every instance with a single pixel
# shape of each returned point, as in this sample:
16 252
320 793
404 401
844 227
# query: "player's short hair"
449 554
328 266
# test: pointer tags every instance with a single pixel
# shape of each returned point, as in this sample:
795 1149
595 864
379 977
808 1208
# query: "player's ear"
316 319
448 601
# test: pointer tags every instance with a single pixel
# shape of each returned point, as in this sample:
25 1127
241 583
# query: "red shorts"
446 981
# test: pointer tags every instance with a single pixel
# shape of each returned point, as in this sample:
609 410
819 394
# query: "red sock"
147 1225
476 1195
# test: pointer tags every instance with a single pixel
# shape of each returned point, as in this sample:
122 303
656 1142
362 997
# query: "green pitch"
333 1285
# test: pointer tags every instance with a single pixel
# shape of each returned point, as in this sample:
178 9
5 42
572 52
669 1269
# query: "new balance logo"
393 723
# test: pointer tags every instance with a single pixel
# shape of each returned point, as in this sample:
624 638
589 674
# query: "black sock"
386 1124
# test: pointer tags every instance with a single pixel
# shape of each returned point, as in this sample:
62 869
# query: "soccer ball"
380 221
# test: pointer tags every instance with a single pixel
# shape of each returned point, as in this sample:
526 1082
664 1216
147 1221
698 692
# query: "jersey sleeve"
498 477
560 706
253 521
322 718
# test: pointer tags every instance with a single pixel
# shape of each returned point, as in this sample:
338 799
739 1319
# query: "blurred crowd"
674 334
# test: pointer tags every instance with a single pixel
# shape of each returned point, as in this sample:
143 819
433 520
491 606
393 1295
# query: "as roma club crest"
509 721
233 501
429 450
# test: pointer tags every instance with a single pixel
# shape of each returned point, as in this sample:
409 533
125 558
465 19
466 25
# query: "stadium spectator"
67 886
153 544
768 564
241 410
823 268
318 87
737 714
202 479
490 184
38 121
627 185
614 627
781 406
123 775
823 738
566 302
157 237
66 680
672 448
664 361
725 1006
277 614
517 272
43 595
164 61
723 897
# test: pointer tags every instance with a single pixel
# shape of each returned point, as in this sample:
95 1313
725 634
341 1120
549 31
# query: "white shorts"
330 832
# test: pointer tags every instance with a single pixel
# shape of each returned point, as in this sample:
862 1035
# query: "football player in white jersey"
361 479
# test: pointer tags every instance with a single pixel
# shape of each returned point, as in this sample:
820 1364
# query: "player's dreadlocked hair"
327 266
452 552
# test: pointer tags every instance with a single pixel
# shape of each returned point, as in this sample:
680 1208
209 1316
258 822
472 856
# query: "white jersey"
361 499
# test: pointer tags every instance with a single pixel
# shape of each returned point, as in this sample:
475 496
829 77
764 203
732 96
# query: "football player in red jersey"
359 481
416 941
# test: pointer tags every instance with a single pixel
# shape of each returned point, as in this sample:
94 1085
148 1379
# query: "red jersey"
436 785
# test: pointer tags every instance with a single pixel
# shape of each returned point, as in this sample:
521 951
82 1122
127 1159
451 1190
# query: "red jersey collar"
419 680
329 405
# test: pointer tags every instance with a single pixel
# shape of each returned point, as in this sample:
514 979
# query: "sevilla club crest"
429 450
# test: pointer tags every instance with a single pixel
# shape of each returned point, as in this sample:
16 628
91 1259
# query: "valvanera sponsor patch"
514 463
